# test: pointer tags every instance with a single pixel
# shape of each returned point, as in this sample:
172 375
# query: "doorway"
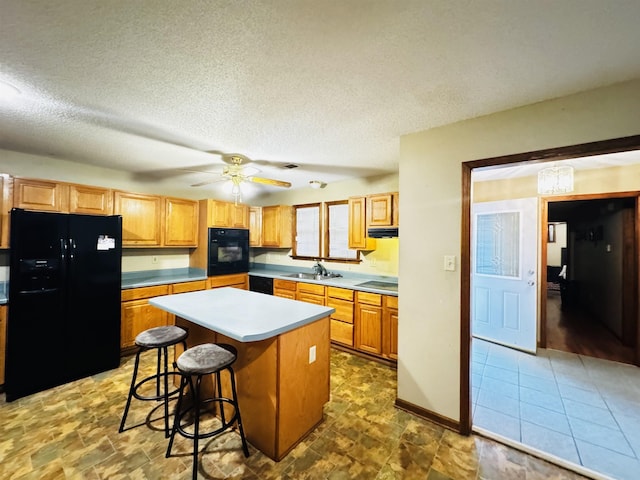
596 148
590 282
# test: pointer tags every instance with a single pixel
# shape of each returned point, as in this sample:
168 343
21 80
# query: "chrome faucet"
319 269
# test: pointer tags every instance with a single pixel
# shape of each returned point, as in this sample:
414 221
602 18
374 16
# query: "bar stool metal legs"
193 364
159 338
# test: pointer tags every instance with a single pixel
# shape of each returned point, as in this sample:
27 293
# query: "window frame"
323 233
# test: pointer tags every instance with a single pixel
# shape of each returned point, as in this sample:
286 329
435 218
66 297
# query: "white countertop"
240 314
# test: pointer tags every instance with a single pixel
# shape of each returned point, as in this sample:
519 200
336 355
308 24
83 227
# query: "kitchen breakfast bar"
282 369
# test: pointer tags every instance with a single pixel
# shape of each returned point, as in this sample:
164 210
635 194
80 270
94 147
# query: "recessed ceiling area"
164 89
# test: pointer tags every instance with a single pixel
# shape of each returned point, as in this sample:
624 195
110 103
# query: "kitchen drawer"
369 298
344 309
311 288
144 292
284 284
342 293
184 287
342 332
237 280
390 301
277 292
310 298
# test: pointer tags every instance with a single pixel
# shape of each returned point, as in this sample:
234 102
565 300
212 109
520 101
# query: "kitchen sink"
312 276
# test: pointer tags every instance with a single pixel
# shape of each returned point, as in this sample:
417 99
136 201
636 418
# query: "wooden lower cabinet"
310 293
3 340
368 335
390 327
284 288
281 394
137 315
342 319
376 330
362 321
235 280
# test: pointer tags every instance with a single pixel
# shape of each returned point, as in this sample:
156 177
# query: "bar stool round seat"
198 361
157 338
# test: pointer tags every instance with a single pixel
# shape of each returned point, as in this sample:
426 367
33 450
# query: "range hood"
389 232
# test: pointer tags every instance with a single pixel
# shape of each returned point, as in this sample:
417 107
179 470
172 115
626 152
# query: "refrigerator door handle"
72 248
35 292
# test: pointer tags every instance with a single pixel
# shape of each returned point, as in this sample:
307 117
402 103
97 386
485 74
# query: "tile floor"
71 432
581 409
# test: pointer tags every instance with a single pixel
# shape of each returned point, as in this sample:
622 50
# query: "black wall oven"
228 251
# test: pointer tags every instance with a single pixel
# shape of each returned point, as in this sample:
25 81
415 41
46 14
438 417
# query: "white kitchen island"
282 370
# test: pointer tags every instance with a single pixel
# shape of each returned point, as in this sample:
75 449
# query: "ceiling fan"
236 172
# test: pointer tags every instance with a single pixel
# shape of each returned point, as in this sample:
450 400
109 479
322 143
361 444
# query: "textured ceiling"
149 86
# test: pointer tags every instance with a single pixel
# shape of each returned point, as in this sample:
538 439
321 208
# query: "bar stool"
198 361
158 338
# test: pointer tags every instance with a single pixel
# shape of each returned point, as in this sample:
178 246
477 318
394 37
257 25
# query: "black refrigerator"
64 299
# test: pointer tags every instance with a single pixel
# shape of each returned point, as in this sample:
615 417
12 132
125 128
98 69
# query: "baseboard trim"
429 415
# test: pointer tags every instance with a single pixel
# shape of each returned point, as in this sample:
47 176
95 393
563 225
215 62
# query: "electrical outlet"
154 259
312 354
373 262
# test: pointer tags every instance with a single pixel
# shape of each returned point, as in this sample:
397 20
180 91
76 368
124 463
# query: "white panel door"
504 253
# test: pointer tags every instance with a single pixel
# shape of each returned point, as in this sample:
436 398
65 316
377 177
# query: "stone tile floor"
581 409
71 432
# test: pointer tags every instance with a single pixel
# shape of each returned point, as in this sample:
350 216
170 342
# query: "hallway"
573 407
571 330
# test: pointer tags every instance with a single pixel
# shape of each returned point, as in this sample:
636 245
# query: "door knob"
531 283
531 272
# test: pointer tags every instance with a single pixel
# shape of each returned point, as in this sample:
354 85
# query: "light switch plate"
450 263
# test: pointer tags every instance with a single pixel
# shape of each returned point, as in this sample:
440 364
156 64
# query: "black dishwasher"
261 284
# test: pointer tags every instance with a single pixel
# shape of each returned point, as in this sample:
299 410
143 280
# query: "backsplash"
135 260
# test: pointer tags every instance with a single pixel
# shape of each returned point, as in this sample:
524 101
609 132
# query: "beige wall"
35 166
430 208
599 180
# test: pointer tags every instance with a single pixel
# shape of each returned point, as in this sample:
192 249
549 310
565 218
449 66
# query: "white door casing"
504 253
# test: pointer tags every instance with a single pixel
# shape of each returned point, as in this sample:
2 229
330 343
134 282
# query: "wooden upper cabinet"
358 225
396 209
380 210
227 214
90 200
255 226
218 213
277 222
42 195
141 218
6 204
239 216
181 222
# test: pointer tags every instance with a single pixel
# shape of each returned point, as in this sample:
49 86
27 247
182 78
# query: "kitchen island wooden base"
281 392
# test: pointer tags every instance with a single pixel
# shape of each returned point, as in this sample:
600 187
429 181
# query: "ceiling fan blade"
269 181
208 182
